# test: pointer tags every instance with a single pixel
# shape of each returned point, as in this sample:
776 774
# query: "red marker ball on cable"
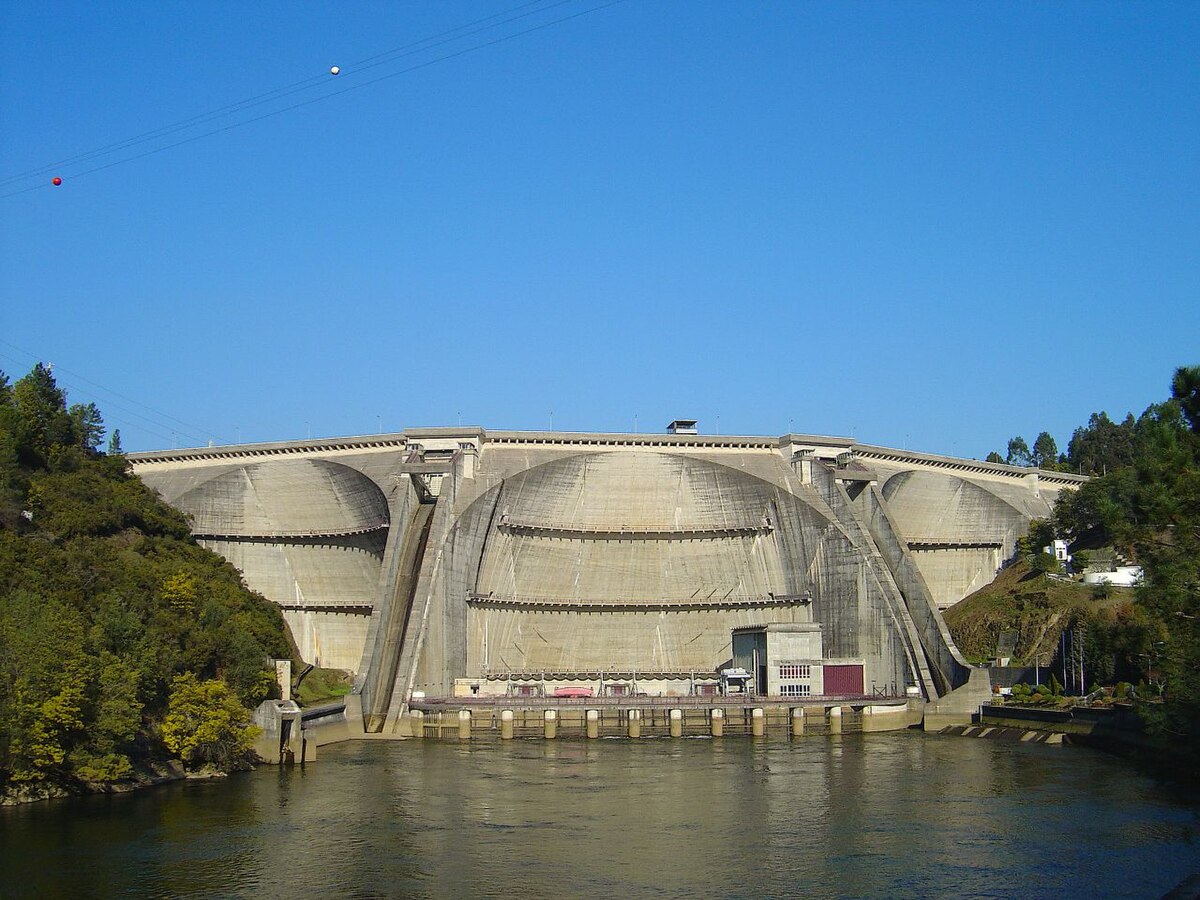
56 181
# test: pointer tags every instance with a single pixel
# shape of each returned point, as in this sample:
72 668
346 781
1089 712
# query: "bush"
1045 563
206 724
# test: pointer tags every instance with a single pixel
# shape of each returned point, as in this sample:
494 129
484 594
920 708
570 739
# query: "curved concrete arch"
579 516
653 498
309 535
931 507
286 497
959 531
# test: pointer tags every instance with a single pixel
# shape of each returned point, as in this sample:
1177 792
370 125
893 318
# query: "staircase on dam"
394 616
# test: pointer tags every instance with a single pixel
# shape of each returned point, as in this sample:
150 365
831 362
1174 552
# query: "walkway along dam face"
443 563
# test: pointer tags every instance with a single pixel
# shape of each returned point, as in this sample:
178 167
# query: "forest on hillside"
1143 502
1148 505
121 639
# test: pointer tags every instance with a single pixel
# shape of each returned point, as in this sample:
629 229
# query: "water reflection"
856 815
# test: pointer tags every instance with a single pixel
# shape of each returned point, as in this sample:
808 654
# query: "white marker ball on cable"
334 70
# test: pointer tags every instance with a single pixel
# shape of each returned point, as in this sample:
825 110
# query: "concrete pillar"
676 716
802 463
593 723
635 723
550 724
798 721
717 722
506 724
416 719
464 723
470 453
283 675
835 720
758 722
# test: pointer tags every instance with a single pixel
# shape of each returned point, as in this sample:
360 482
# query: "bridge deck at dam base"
636 717
550 718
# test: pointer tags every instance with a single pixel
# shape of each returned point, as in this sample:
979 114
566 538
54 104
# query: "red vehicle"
573 692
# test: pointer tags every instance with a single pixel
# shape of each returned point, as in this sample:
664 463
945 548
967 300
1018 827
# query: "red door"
841 680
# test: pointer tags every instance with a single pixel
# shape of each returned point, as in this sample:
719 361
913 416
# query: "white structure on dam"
450 557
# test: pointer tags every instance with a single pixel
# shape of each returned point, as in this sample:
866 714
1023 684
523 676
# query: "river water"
879 815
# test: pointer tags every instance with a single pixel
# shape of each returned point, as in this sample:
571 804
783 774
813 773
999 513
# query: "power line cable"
267 96
108 417
75 392
329 96
296 88
190 428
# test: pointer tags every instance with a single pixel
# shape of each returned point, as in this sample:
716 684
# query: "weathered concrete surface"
414 559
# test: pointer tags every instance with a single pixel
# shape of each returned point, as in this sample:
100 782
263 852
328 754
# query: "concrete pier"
716 722
633 717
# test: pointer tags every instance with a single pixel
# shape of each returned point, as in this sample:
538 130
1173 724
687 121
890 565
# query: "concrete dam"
464 563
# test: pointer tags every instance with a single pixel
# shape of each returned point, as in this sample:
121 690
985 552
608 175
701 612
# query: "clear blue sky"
931 225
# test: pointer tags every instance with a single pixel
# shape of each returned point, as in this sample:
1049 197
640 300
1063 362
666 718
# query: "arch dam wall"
443 555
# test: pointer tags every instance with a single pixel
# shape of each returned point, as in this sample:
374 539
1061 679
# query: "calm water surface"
892 815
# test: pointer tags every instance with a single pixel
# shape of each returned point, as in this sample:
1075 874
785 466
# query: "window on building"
795 690
791 670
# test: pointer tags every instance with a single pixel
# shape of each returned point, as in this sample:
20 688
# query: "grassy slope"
1039 608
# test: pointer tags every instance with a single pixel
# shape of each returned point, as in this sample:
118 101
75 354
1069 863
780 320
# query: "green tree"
87 425
179 592
994 457
1045 451
205 723
114 443
1018 452
1102 445
42 408
1185 389
1039 536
